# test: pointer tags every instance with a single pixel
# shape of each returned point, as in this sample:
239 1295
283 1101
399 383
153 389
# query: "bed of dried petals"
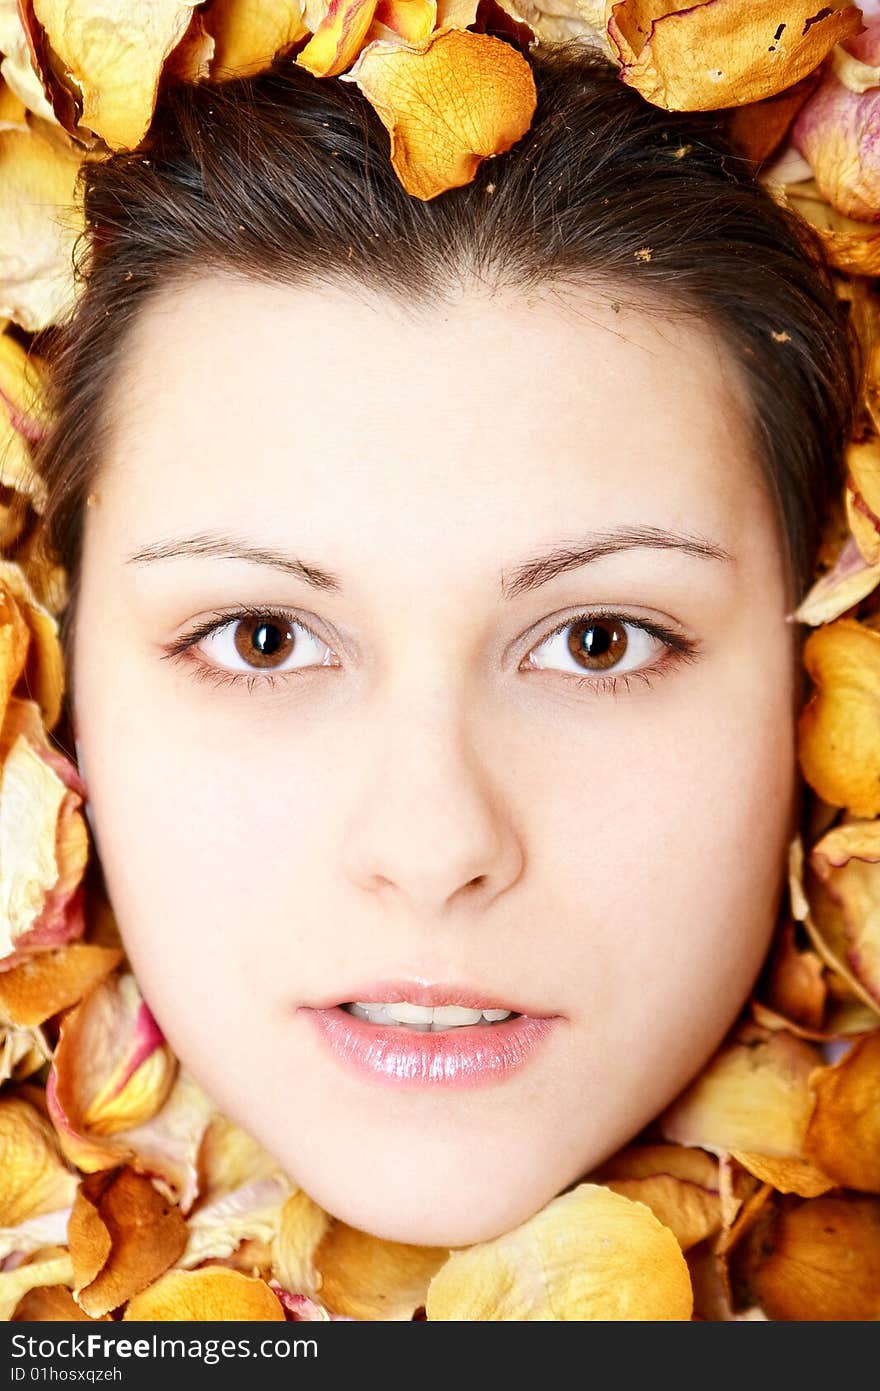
124 1193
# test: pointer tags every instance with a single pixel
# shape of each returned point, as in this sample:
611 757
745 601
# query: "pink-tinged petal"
838 130
300 1309
850 580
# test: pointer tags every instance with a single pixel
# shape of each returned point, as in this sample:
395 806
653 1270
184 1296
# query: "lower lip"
469 1056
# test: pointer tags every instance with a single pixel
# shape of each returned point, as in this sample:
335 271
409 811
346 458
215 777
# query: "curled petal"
589 1254
338 39
44 671
123 1235
850 580
364 1277
448 104
49 1266
836 129
687 57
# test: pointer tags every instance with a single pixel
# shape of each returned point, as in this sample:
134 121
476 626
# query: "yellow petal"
49 981
339 37
111 56
303 1225
17 68
123 1235
249 33
843 1134
750 1096
40 218
412 20
589 1254
846 908
687 57
210 1294
44 672
448 104
50 1267
242 1192
839 727
364 1277
816 1259
35 1178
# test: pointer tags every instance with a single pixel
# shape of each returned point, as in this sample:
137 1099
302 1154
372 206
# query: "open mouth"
425 1018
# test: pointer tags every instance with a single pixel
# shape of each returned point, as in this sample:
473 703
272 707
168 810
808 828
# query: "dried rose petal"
839 727
687 57
589 1254
211 1294
448 104
123 1235
248 34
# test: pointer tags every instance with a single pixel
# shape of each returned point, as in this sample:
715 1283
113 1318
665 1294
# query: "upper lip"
421 992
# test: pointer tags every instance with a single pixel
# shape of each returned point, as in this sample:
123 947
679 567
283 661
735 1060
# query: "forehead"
560 409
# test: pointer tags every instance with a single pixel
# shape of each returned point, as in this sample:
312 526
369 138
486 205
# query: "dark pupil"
601 641
267 639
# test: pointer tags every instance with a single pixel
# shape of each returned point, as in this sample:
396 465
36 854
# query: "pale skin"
264 848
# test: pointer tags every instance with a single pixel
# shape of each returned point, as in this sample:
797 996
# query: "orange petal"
210 1294
449 104
123 1235
249 33
814 1259
839 727
589 1254
338 38
50 981
847 907
687 57
35 1178
751 1096
787 1175
843 1134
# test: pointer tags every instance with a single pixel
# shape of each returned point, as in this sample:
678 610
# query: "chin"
427 1209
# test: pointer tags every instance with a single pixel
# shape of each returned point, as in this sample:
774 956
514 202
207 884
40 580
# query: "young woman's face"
393 779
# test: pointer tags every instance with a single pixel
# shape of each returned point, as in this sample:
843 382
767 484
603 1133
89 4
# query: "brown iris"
597 642
264 640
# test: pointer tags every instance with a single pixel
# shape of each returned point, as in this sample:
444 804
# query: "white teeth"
423 1018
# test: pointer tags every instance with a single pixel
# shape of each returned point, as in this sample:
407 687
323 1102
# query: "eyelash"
678 649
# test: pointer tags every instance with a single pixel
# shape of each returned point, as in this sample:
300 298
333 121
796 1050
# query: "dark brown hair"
286 177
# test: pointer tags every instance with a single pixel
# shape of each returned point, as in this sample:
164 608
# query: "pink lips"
466 1056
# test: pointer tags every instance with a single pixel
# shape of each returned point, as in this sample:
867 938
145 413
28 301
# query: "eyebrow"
529 575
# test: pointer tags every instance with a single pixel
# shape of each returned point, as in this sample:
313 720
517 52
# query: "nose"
433 826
